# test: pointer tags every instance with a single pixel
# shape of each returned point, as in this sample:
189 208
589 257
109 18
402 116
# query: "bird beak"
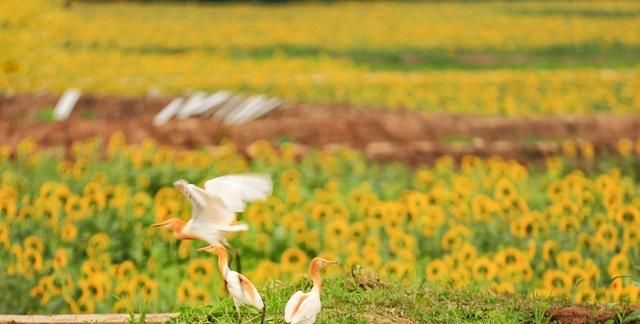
207 248
332 262
161 224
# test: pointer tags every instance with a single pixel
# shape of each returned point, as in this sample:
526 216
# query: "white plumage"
303 308
214 208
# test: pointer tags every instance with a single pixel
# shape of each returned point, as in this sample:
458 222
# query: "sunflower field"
75 235
486 58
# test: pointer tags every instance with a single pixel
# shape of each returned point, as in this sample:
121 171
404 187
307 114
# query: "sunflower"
483 208
33 243
122 305
454 237
149 287
141 204
375 215
606 235
585 295
400 241
60 259
83 306
4 235
266 270
504 190
569 259
625 146
125 270
98 243
395 270
503 288
510 257
293 259
568 224
631 235
459 277
185 291
28 212
550 250
357 232
184 249
321 212
618 265
92 289
484 269
556 282
200 270
337 231
33 260
579 276
126 289
628 216
76 208
422 179
436 271
371 258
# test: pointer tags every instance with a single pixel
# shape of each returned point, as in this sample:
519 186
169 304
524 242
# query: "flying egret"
302 308
214 208
239 287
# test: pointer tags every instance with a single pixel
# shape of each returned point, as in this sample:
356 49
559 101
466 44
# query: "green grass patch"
363 299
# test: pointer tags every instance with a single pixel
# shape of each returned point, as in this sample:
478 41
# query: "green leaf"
635 316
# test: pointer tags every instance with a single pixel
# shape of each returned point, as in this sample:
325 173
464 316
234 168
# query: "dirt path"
88 318
382 134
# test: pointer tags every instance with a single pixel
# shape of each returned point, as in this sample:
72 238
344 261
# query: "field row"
554 231
488 58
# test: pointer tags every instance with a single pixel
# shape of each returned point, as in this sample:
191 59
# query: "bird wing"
293 305
237 189
308 309
209 216
252 297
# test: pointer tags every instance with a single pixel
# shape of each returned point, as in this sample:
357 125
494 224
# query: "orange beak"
161 224
208 248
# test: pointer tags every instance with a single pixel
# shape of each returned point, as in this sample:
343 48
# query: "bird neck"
315 276
223 262
178 225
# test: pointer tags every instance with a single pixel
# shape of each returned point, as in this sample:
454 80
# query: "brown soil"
382 134
581 315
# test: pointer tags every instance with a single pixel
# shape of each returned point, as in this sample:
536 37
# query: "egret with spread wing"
214 208
239 287
303 308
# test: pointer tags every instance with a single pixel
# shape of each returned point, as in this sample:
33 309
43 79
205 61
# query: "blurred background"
426 141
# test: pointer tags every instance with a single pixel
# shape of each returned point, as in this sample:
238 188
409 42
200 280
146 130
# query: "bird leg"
236 256
264 311
235 303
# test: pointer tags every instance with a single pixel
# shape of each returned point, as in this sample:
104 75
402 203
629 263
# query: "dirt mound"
400 135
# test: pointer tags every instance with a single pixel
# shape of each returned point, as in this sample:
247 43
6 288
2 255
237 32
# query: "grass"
366 299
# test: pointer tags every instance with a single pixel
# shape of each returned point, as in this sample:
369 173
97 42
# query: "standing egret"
302 308
214 208
239 287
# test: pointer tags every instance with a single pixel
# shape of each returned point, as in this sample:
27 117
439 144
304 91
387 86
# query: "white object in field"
192 104
238 115
212 102
255 110
65 104
264 108
229 106
168 112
